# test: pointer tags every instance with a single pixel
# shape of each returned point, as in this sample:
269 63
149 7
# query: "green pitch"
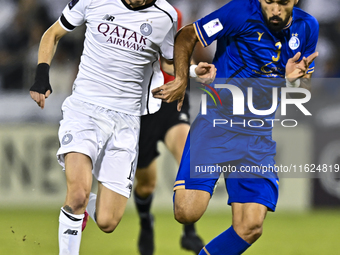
35 232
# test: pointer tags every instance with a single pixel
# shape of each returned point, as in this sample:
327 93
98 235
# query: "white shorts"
108 137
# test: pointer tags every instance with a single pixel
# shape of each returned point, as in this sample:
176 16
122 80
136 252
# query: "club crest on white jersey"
146 29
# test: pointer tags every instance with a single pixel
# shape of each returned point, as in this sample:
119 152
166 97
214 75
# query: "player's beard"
280 24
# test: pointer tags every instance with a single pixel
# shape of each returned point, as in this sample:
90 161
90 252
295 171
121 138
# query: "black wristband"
42 79
42 72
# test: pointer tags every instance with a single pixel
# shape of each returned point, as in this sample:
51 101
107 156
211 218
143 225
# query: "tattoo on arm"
68 209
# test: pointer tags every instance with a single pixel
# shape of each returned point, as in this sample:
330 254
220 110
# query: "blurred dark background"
22 23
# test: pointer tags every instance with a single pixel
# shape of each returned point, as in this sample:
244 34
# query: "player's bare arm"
167 66
185 42
175 90
41 88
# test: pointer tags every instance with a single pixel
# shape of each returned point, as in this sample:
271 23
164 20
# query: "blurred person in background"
22 23
28 19
327 14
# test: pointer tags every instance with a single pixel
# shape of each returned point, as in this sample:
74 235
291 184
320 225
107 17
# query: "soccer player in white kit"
101 119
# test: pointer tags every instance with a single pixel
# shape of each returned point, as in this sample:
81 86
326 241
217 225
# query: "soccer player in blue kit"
262 44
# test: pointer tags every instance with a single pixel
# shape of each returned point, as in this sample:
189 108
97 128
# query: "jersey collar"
138 8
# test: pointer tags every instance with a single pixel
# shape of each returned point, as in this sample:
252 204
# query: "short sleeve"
74 14
226 21
167 47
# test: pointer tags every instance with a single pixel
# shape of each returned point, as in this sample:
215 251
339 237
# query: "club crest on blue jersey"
67 139
146 29
294 42
72 3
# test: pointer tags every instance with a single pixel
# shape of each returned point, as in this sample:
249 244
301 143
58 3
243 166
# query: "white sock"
91 206
69 233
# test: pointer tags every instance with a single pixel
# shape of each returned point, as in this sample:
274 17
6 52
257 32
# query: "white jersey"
119 66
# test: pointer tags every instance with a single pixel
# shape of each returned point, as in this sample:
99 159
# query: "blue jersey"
249 54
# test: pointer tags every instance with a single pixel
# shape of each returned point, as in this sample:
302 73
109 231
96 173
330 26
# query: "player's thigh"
190 201
78 171
116 165
192 192
175 139
110 207
80 132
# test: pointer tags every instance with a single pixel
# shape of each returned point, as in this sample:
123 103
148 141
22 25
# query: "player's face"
136 3
277 13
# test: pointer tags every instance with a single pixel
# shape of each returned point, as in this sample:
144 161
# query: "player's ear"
296 2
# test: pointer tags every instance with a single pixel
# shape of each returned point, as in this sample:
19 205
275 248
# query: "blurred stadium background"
32 185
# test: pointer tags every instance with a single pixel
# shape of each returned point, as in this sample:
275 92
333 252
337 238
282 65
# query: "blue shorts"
245 161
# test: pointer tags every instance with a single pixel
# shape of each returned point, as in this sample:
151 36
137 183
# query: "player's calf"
109 210
106 221
145 180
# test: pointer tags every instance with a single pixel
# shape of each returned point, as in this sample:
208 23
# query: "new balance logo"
129 186
71 232
108 17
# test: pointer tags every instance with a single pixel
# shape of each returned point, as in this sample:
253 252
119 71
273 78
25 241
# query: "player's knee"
184 215
249 231
254 231
145 189
107 225
77 199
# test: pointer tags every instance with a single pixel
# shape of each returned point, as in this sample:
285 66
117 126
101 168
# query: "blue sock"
227 243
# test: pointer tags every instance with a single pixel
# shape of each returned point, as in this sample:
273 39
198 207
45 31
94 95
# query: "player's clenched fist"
41 88
205 72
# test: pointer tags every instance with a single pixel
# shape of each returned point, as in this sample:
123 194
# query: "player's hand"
40 98
171 91
39 91
296 69
205 72
41 88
